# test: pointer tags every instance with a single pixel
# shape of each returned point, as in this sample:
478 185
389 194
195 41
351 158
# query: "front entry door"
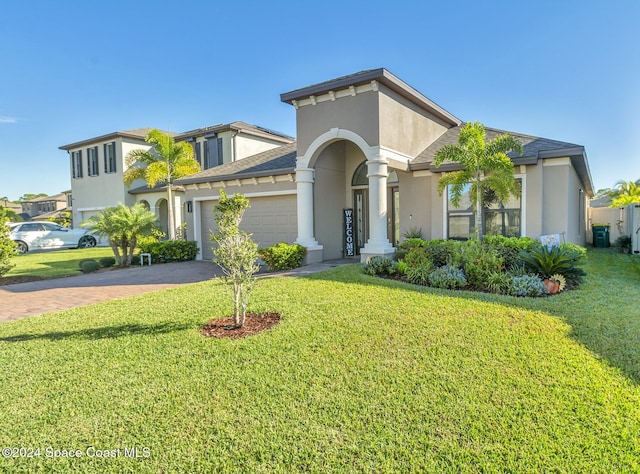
361 208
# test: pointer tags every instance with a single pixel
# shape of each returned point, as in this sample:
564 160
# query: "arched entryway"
323 176
360 191
162 213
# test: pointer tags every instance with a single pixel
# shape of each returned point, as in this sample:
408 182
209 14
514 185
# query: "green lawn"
54 264
361 375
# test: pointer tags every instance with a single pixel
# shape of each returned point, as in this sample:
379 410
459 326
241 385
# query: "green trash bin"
601 235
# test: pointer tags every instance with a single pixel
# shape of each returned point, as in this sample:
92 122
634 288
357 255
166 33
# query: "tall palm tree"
165 162
485 165
625 193
122 225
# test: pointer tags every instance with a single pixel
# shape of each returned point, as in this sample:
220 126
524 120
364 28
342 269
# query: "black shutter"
219 160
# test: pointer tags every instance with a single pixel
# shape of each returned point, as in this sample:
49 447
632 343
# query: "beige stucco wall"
564 207
405 127
92 193
415 207
248 145
358 114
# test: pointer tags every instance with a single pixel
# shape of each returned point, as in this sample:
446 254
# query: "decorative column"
378 244
304 185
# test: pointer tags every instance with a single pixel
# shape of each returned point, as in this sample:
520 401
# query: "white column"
378 244
304 185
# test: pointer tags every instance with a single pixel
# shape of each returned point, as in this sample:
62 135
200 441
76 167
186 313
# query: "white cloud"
8 120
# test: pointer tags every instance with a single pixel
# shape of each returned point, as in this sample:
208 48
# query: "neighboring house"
97 165
44 207
361 173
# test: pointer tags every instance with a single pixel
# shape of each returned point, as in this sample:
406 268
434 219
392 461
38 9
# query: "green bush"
380 265
573 248
283 256
497 282
447 277
412 243
85 260
89 266
401 267
564 260
479 260
443 252
526 285
107 262
7 246
135 260
170 251
413 233
419 274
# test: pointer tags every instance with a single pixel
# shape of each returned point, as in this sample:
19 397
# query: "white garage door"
270 219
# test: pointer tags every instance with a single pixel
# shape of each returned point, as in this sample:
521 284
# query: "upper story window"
110 157
197 151
213 152
76 164
92 161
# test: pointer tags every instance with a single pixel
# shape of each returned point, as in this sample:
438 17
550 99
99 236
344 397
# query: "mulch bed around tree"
13 280
253 324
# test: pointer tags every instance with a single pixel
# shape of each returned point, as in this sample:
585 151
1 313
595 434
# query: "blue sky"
71 70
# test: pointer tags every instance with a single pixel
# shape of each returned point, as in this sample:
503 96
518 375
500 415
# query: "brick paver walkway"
28 299
46 296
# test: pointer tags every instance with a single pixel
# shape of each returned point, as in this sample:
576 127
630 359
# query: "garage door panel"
271 219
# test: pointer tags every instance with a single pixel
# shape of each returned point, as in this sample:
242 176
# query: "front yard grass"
55 264
361 374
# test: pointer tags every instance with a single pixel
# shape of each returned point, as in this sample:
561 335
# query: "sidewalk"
28 299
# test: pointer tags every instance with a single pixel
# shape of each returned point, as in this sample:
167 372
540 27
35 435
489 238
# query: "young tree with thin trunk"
485 165
235 252
164 163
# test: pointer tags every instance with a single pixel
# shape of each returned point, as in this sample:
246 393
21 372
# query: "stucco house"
97 165
45 207
361 173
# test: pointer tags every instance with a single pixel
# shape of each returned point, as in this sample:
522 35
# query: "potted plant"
624 242
555 283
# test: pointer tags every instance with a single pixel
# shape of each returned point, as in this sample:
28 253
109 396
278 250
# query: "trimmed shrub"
84 260
169 251
107 262
526 285
412 243
447 277
88 266
380 265
283 256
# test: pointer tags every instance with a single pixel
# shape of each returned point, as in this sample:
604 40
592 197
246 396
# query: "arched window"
360 176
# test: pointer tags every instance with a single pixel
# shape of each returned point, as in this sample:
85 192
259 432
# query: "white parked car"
47 235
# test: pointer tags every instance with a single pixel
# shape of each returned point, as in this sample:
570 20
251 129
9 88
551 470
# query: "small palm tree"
122 225
625 193
486 167
166 162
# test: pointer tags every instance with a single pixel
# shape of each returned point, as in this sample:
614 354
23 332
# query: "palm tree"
166 162
485 165
625 193
122 225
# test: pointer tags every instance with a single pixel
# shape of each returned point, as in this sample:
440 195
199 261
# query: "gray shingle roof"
136 133
280 160
238 126
533 147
